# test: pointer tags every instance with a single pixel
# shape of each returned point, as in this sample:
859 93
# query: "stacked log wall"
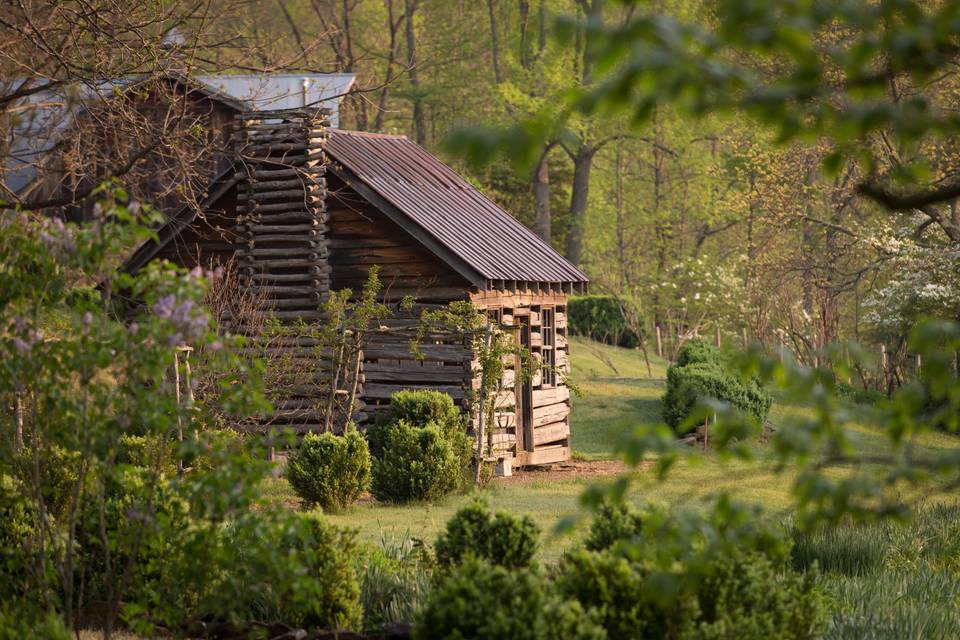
282 251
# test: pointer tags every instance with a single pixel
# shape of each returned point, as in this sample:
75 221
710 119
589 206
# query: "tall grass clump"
887 579
848 549
396 576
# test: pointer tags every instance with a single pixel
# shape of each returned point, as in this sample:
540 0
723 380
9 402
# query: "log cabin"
306 209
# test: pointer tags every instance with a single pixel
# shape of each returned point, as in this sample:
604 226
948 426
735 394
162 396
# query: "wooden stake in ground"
176 392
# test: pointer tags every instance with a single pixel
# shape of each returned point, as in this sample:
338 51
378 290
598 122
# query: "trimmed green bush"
699 373
481 600
617 591
600 318
416 463
611 524
424 407
729 595
501 538
697 351
328 470
293 568
421 450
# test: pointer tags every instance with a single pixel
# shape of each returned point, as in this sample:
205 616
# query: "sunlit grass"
617 396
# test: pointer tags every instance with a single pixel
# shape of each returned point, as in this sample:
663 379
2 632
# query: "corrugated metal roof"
280 91
42 117
444 205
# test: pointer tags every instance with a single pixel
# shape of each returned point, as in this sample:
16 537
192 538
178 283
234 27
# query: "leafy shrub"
142 451
701 372
396 578
423 407
746 595
611 524
140 510
287 567
330 470
480 600
416 463
719 574
600 318
699 351
20 548
501 538
59 470
422 450
731 595
617 591
16 624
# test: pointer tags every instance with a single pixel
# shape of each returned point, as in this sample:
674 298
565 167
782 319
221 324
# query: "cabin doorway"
524 386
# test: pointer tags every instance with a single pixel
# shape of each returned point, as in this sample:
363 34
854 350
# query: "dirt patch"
571 470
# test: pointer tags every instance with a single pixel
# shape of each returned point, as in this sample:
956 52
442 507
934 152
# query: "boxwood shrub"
691 575
416 463
481 600
421 449
500 538
701 372
328 470
611 524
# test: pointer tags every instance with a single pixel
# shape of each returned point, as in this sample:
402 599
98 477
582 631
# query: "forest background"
701 227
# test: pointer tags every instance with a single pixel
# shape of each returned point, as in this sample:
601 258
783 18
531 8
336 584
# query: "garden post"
176 393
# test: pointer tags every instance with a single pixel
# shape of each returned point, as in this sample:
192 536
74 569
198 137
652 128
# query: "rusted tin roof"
440 203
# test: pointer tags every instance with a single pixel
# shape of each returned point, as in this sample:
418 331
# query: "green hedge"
499 538
691 576
600 318
416 463
420 449
481 600
328 470
701 372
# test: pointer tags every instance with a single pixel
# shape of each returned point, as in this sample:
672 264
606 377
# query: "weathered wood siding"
359 237
533 422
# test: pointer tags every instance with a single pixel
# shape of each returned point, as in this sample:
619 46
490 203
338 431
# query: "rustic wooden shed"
308 209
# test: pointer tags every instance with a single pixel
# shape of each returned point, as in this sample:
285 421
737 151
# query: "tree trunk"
419 118
582 163
541 199
494 42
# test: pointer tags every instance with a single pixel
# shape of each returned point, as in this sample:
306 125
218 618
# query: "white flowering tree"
698 293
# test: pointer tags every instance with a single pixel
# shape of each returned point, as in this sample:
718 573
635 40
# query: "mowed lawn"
617 395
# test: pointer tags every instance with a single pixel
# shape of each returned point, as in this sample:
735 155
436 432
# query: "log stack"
282 247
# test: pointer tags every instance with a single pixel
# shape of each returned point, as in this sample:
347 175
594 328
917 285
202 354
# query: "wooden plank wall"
359 237
550 406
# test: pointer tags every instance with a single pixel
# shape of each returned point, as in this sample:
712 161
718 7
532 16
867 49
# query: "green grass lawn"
618 394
